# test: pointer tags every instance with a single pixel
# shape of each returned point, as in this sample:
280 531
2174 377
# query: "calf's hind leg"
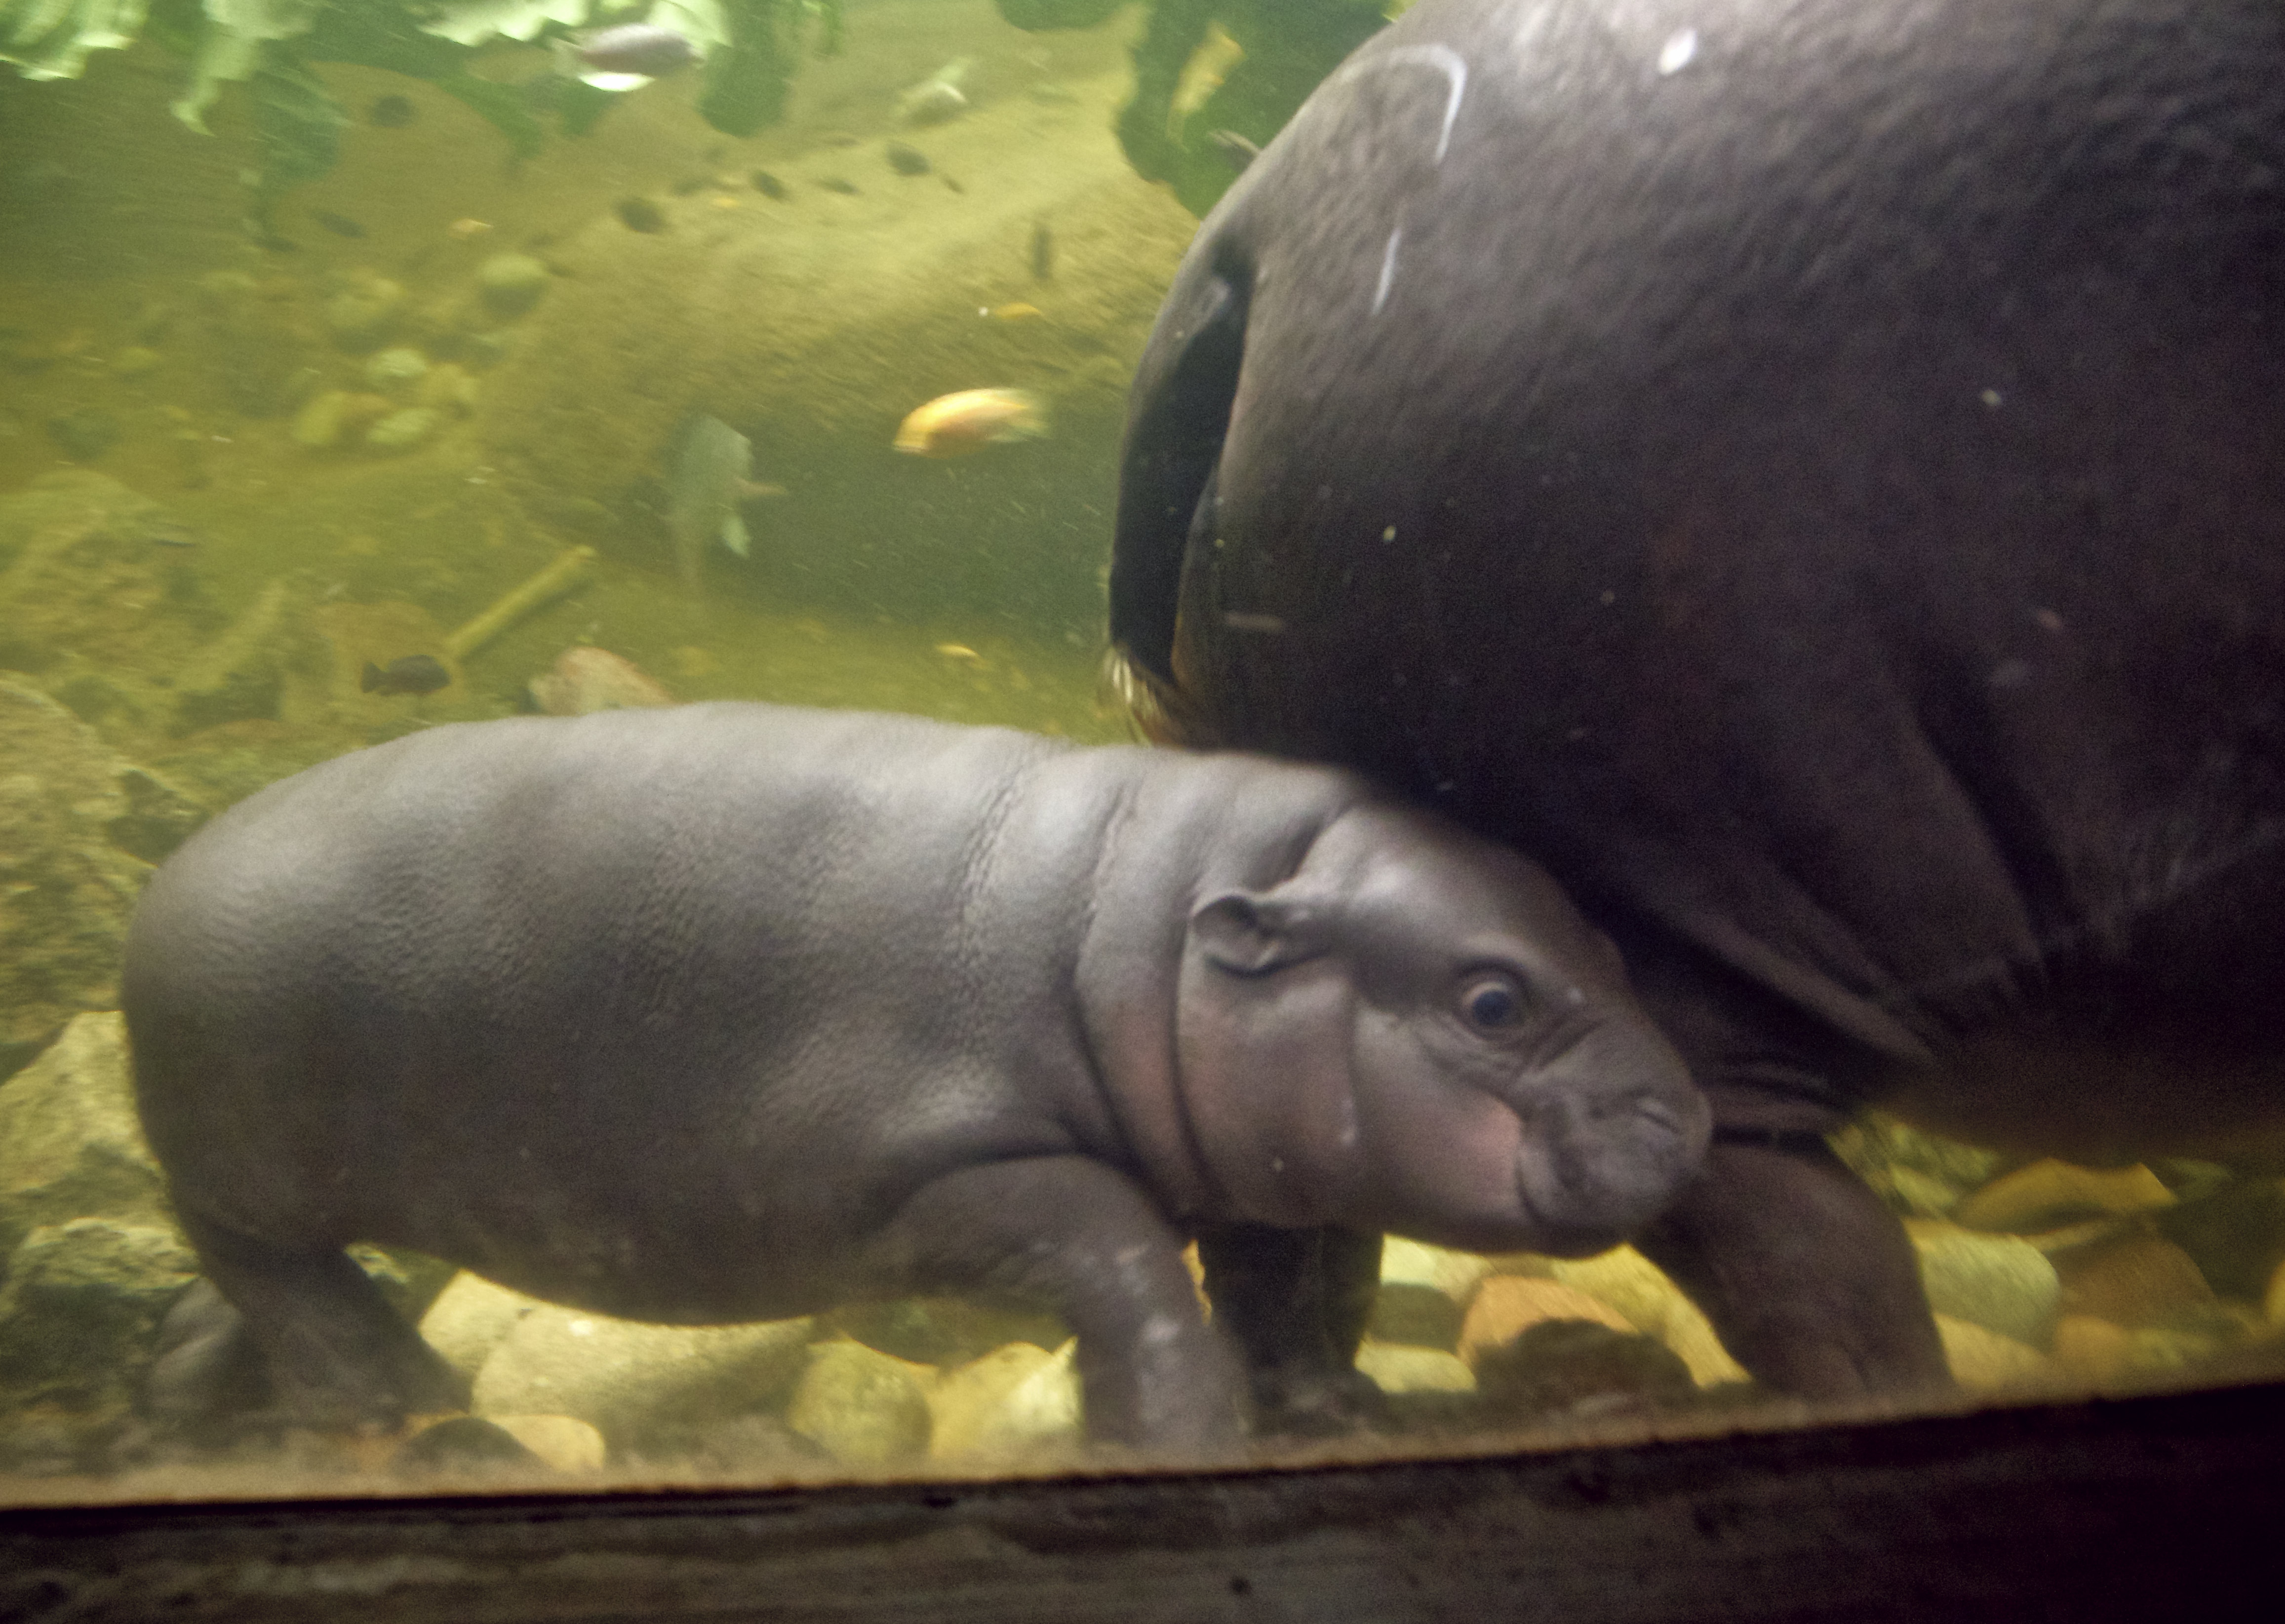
336 1355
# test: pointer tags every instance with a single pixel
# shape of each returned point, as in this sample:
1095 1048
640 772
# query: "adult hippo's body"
1811 473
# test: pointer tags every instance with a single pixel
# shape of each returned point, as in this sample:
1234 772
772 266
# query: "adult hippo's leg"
333 1350
1811 1282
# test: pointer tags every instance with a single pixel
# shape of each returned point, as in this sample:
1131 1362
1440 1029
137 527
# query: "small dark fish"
954 184
390 111
640 215
340 226
84 435
1043 253
690 184
1234 148
768 184
415 673
906 159
637 48
170 533
836 183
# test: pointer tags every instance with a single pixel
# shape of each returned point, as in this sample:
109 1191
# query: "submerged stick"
570 570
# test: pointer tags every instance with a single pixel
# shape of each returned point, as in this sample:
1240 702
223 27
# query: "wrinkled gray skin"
1817 484
732 1012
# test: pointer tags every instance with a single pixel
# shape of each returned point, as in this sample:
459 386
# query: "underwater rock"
1015 1400
2091 1349
449 387
1570 1369
586 679
80 1309
563 1442
1453 1274
413 673
943 1330
644 1387
253 342
640 215
1424 1293
1644 1295
462 1445
2235 1234
1919 1174
1397 1368
470 1317
412 1281
402 431
99 591
1983 1360
71 1145
2049 1194
510 284
862 1406
362 315
1506 1305
84 435
395 370
67 884
1999 1282
2138 1282
320 424
240 675
390 112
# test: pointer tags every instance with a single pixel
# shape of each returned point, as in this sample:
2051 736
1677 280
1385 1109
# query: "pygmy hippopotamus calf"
1811 473
735 1012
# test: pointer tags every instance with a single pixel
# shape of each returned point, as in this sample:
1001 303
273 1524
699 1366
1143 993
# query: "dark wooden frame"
2139 1507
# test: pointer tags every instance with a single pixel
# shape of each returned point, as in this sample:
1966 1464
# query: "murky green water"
261 444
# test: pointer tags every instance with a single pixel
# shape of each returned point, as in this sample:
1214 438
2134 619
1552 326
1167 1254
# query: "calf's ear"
1251 933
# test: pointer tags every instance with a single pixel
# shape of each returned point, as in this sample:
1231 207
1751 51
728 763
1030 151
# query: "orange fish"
953 425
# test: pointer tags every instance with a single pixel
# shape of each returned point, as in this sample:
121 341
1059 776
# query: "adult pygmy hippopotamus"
731 1012
1811 473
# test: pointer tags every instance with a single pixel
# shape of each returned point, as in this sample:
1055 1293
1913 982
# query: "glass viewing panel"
436 374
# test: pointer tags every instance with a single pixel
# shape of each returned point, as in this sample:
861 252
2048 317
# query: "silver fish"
937 98
707 482
637 49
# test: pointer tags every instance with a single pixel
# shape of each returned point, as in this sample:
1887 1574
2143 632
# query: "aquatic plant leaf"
579 104
832 32
380 34
50 39
298 123
747 84
502 106
472 22
223 58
